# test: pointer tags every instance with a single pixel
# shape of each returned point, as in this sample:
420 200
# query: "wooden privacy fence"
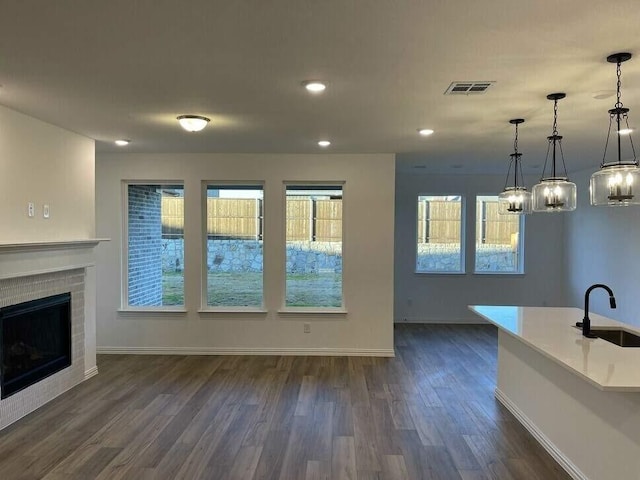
315 220
439 222
172 216
495 228
307 219
234 218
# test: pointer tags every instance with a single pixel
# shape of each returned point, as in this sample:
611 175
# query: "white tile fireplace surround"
29 271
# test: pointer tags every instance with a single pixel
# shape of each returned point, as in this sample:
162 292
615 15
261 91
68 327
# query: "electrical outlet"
307 328
31 209
45 211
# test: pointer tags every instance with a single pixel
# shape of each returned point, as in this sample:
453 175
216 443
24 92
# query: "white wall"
42 163
444 298
603 247
368 257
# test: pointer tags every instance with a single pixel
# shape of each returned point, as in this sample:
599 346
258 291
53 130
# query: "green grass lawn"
245 289
314 290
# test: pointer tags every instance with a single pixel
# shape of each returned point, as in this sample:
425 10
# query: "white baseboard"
328 352
92 372
542 439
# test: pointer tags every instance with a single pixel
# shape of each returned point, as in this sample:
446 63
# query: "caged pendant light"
515 200
554 193
615 183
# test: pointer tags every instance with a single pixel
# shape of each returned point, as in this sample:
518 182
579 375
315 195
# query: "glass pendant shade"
616 185
514 201
554 195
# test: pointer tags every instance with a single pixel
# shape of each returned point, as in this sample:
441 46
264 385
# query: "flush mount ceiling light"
324 143
123 142
314 86
554 193
515 199
425 132
193 123
613 185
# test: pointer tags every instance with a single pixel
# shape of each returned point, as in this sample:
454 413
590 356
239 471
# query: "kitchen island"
579 397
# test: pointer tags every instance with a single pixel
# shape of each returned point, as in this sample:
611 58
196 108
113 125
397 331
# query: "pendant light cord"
514 162
618 85
618 107
516 157
554 139
618 112
554 134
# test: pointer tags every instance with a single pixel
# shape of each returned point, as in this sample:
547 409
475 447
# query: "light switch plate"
31 209
45 211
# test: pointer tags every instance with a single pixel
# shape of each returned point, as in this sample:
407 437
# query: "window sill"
239 310
440 273
501 274
312 311
153 310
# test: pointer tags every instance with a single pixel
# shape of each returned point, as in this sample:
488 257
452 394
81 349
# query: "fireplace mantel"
52 245
20 259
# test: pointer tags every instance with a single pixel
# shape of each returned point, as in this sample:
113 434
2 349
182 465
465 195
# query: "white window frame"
521 240
463 209
284 309
204 306
124 278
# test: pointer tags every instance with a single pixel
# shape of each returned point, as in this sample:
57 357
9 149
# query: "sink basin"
618 336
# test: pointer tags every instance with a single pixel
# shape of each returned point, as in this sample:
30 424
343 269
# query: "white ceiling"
126 68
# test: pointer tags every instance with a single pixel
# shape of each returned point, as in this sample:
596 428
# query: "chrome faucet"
586 321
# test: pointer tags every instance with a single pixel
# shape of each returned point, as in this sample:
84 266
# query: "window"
313 246
498 238
234 245
155 245
439 239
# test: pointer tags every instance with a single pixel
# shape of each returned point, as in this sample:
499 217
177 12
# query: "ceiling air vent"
468 88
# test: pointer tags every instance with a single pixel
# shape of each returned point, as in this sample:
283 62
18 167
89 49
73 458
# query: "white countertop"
550 331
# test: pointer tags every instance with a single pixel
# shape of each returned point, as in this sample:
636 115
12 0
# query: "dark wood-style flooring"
428 413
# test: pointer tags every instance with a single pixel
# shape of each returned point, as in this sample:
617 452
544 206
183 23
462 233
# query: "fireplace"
35 341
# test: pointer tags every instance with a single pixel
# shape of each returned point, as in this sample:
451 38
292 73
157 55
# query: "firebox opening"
35 341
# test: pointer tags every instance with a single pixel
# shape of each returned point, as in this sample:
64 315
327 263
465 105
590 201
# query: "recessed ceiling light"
425 132
193 123
324 143
625 131
123 142
314 86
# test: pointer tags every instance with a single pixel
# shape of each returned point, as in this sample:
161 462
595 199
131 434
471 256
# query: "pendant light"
554 193
515 200
615 183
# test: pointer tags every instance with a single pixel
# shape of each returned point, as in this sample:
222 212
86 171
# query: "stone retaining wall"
246 256
441 257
